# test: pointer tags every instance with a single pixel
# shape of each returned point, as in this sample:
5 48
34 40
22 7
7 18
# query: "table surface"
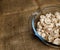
15 25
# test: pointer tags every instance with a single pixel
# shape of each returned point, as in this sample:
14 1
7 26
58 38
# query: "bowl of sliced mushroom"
46 25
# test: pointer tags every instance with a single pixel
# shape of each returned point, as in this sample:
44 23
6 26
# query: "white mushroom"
39 25
50 29
43 35
47 21
50 38
38 29
54 20
57 15
51 25
39 33
48 15
56 31
42 21
42 30
57 24
57 41
42 17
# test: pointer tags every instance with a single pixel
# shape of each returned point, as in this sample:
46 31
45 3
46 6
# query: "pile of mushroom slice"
48 27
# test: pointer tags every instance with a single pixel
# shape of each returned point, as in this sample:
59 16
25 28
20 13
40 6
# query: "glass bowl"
43 10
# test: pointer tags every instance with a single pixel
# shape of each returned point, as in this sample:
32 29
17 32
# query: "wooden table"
15 25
